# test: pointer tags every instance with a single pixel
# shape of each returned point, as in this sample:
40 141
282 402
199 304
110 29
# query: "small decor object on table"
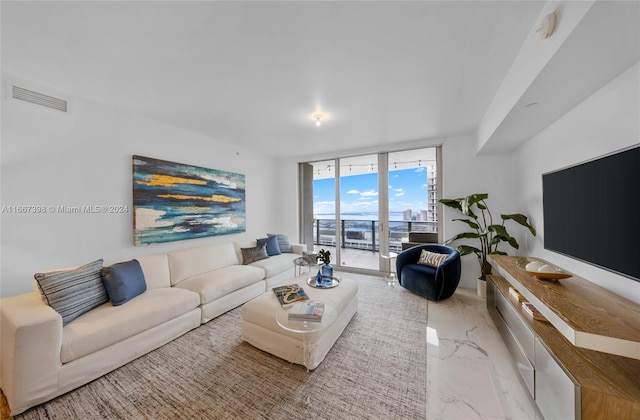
542 270
310 257
289 294
317 282
307 311
326 269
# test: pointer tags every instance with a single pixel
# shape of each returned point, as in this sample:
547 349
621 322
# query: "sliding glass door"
363 207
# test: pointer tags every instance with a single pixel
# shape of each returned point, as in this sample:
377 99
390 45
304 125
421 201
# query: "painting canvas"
173 201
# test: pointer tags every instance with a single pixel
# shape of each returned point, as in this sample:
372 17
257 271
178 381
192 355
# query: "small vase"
327 274
318 279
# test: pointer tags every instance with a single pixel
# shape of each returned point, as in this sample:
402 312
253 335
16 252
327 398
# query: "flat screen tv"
592 212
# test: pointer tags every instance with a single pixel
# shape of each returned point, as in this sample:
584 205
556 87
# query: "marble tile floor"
470 374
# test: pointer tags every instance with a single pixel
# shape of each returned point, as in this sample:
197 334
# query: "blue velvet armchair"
429 282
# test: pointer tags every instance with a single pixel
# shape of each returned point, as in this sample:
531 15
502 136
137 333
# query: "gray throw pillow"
283 242
256 253
72 293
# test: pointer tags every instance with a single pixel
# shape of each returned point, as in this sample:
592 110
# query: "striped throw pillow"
71 293
432 259
283 242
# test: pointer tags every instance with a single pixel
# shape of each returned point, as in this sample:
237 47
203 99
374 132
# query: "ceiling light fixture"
319 116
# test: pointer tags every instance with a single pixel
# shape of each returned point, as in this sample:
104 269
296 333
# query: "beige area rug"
376 370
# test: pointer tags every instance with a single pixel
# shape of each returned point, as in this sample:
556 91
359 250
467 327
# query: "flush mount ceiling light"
318 116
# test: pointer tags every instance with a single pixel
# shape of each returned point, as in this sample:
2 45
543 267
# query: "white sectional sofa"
41 359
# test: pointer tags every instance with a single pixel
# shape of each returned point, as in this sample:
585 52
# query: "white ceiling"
253 73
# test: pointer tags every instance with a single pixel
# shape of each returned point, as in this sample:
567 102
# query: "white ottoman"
261 330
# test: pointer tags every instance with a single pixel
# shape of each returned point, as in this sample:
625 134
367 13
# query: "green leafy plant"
324 256
489 234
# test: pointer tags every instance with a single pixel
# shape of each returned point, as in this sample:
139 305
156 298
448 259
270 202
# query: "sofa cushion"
123 281
283 242
275 265
156 270
272 245
73 292
255 253
215 284
195 261
108 324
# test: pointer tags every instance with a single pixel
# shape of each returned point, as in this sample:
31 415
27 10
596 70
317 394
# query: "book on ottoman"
289 294
307 311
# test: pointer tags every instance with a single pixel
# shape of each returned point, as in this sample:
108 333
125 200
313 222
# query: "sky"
359 193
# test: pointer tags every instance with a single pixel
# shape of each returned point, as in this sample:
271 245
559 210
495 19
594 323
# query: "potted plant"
326 269
490 235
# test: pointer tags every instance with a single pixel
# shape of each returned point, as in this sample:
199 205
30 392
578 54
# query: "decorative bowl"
554 274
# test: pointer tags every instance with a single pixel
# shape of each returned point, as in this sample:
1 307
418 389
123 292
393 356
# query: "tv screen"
592 212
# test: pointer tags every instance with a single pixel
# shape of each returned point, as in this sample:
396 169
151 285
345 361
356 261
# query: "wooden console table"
583 363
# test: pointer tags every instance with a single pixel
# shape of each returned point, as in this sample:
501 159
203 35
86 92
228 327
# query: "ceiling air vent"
39 99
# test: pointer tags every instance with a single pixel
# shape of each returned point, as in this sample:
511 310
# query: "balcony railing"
364 234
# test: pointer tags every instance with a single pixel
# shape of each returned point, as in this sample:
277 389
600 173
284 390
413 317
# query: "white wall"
606 122
464 173
84 158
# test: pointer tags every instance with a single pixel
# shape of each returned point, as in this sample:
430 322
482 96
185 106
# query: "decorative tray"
311 281
542 270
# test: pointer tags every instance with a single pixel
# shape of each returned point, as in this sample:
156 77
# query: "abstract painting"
173 201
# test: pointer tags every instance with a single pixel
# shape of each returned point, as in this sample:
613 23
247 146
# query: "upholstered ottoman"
261 329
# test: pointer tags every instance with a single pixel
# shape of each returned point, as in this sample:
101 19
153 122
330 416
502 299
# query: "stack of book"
532 311
289 294
515 294
307 311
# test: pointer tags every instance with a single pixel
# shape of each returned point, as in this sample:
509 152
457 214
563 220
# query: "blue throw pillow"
124 281
272 245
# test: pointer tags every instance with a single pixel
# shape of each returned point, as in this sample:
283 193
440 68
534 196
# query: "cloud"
421 169
400 190
353 192
370 193
399 194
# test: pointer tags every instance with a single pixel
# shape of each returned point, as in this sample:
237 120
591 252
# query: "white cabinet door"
557 397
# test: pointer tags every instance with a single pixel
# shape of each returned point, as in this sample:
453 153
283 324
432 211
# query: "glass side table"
390 276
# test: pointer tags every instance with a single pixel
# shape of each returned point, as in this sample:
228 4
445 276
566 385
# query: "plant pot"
481 286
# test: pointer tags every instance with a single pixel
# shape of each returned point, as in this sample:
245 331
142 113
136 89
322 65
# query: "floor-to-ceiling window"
413 194
363 207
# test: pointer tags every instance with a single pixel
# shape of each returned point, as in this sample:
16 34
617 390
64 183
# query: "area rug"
376 370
